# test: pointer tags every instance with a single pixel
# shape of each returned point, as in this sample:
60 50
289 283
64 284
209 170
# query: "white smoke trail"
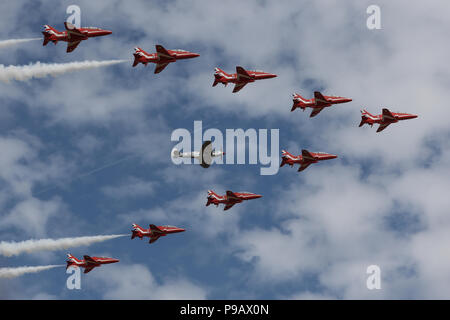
40 70
9 249
18 271
12 42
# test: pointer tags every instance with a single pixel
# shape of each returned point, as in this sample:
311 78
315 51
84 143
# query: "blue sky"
383 201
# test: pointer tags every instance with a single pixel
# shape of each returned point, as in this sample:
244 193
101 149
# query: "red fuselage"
384 119
304 159
240 78
153 232
55 36
88 262
397 117
175 55
225 78
72 35
319 101
230 198
162 57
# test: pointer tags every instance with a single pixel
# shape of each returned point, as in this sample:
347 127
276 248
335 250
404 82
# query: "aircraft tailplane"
136 59
46 39
363 121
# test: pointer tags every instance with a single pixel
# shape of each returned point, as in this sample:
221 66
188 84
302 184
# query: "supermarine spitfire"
204 156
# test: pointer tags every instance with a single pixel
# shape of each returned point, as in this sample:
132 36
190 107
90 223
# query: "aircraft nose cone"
257 196
195 55
271 75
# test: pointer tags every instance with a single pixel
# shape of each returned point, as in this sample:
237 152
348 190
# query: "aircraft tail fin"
285 153
295 103
211 193
136 226
284 156
365 115
299 102
138 53
70 260
48 32
50 29
212 196
220 72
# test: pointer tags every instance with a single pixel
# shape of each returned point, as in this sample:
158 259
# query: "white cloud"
331 220
31 216
131 188
135 281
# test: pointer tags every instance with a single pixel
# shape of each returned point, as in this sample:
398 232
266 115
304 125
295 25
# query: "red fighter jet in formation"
88 263
162 57
317 103
154 232
72 35
230 199
384 119
305 159
240 78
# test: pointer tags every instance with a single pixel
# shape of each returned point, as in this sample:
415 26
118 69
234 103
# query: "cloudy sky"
88 153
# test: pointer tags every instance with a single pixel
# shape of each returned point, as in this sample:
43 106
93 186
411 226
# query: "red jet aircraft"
240 78
384 119
154 232
162 57
317 103
88 263
72 35
230 199
305 159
